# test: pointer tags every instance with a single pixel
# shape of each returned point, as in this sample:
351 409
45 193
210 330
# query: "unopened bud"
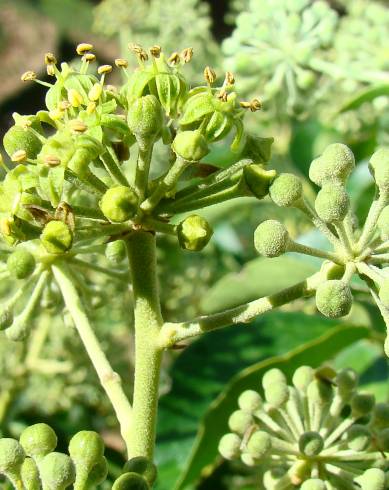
229 446
334 298
190 145
271 239
119 203
142 466
57 237
21 263
57 471
193 233
38 440
286 190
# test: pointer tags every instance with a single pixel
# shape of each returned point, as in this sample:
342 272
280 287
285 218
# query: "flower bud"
229 446
346 381
383 223
193 233
21 263
248 459
116 252
29 474
259 444
384 292
56 237
334 298
286 190
57 471
18 138
143 466
332 203
38 440
383 440
381 415
11 455
119 203
379 168
250 401
362 404
313 484
311 443
273 376
271 238
145 117
131 481
97 474
335 165
258 179
358 438
86 447
302 377
190 146
6 317
320 392
240 421
372 479
277 395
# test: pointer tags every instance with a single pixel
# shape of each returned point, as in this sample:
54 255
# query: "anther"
83 48
121 63
19 156
209 75
187 54
52 160
104 69
28 76
174 59
155 51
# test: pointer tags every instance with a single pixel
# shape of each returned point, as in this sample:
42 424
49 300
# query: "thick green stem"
109 379
148 353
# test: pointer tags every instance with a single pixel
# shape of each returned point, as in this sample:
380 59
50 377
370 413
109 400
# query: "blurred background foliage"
320 69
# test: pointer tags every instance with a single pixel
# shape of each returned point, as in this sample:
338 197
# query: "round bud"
250 401
57 237
334 298
383 223
362 404
229 446
332 203
277 395
381 415
29 474
86 447
143 466
6 317
384 292
38 440
130 481
320 392
18 138
271 238
379 168
358 438
258 179
240 421
248 459
119 203
97 474
194 233
330 270
383 440
116 251
335 165
311 443
145 117
273 376
346 380
286 190
313 484
190 146
21 263
372 479
302 377
259 444
11 455
57 471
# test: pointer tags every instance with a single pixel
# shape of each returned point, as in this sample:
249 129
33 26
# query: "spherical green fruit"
11 455
335 165
21 263
358 438
311 443
19 138
86 447
116 251
384 292
313 484
334 298
379 167
229 446
372 479
29 474
250 401
38 440
286 190
240 421
119 203
271 239
145 117
259 444
332 203
194 233
362 404
143 466
57 237
57 471
258 179
6 318
190 146
131 481
302 377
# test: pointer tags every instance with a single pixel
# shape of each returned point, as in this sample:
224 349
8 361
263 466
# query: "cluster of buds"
355 251
320 433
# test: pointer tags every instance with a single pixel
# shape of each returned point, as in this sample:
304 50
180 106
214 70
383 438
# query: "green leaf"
366 95
259 277
203 369
214 424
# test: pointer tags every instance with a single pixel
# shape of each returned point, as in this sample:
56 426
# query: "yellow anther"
52 160
56 114
155 50
121 63
253 105
50 59
174 58
139 51
19 156
77 126
64 105
75 98
50 70
187 54
95 92
89 57
103 69
91 107
209 75
229 78
223 95
84 48
5 226
28 76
